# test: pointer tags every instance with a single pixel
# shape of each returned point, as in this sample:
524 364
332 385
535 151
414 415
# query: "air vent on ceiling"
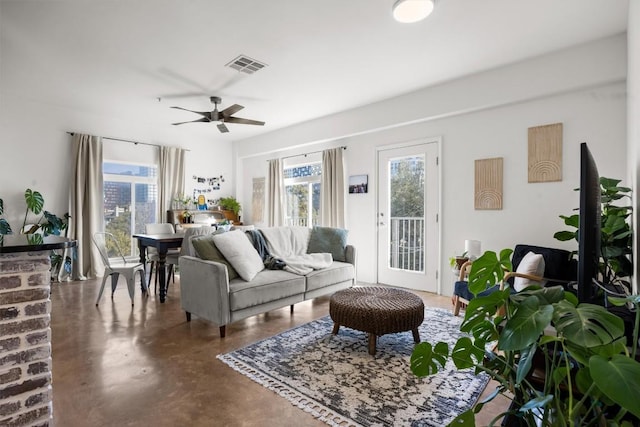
246 65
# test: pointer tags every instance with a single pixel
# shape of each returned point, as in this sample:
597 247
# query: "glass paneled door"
407 216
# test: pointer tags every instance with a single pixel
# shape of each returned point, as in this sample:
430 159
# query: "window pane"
315 202
296 197
145 206
130 200
117 214
128 170
406 189
302 171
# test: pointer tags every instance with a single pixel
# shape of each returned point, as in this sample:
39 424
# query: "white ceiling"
116 58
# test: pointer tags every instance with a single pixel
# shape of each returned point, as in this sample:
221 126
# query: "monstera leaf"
617 378
427 360
481 308
5 228
526 325
34 200
587 325
465 354
489 270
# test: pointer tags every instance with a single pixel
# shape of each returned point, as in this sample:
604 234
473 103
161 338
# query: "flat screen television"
589 226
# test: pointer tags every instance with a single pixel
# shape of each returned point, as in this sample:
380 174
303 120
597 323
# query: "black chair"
560 269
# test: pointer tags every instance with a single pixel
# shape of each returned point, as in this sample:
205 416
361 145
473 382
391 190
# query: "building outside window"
302 194
130 201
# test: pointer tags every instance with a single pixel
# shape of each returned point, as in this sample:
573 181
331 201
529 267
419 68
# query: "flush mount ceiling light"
408 11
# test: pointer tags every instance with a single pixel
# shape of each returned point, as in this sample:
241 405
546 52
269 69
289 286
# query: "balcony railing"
406 243
300 221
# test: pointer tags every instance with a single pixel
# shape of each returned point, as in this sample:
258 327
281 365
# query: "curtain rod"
306 154
129 141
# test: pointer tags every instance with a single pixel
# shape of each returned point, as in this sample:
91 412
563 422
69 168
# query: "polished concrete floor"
117 365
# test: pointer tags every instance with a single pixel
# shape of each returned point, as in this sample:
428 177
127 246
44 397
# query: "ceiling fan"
221 117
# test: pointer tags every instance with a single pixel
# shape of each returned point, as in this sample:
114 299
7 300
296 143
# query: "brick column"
25 339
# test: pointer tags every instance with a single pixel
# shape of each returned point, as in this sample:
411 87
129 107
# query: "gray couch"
207 292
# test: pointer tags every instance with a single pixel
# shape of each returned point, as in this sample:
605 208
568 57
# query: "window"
130 197
302 194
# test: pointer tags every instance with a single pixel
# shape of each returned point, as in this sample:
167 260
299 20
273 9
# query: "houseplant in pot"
231 207
615 237
457 261
47 224
560 362
581 375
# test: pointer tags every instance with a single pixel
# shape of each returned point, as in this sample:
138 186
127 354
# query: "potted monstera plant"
560 362
46 224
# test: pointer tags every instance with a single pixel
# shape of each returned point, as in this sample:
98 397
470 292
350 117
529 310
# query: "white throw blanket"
290 245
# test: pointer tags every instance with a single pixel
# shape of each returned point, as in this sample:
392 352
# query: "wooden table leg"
143 260
336 326
372 344
416 335
162 274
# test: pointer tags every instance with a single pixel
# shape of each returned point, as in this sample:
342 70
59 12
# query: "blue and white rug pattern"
336 380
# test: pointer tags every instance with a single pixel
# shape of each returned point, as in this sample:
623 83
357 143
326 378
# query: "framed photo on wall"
358 184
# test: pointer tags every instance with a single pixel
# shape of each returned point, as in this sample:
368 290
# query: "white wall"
633 123
36 151
482 116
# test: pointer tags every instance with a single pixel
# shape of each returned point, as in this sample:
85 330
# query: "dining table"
162 242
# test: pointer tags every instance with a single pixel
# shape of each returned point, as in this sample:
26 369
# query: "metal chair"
152 254
106 244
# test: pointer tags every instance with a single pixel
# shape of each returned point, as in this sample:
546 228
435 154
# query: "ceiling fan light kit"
409 11
220 117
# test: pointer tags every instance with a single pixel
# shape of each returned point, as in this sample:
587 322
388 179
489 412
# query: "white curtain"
332 190
86 205
276 189
171 178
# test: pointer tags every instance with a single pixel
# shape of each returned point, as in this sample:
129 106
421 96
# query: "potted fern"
230 207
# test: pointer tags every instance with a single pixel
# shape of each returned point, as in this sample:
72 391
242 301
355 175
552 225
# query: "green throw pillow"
207 249
328 240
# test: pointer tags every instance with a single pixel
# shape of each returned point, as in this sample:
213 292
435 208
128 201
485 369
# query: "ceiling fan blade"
206 114
229 111
204 119
222 128
242 121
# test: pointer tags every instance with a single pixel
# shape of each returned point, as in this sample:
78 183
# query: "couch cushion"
266 286
205 248
337 272
192 233
240 253
532 264
330 240
461 289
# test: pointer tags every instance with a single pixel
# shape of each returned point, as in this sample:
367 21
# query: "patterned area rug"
336 380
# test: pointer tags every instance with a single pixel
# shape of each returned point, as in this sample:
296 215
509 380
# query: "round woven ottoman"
377 311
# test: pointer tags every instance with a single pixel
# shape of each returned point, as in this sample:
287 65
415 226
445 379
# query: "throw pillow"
532 264
206 249
328 240
240 253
